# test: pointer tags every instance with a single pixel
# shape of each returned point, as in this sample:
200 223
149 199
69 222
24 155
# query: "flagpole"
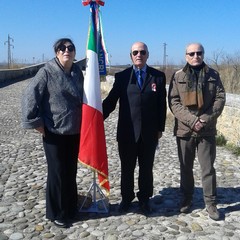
92 151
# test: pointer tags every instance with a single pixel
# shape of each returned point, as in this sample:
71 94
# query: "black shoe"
60 223
186 205
145 207
75 217
124 206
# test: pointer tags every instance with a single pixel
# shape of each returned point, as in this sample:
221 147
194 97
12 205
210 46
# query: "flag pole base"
99 202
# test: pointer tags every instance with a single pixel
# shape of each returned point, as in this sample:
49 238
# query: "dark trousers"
61 193
129 153
206 152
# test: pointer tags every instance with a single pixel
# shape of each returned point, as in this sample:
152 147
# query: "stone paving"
23 181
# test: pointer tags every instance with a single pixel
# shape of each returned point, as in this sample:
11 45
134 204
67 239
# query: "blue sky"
36 24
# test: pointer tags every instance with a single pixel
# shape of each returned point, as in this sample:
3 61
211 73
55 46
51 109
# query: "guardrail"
229 122
21 73
28 72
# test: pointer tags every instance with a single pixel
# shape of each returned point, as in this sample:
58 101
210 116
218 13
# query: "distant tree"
228 66
216 59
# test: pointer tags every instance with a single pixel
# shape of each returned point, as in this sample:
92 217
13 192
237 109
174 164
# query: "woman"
52 104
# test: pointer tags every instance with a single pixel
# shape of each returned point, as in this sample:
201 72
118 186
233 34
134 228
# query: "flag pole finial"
87 2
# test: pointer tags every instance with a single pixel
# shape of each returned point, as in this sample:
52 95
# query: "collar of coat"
203 66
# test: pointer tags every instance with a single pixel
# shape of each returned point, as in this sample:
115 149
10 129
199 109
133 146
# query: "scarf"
193 95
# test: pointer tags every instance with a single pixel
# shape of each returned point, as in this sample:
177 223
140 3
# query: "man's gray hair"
200 45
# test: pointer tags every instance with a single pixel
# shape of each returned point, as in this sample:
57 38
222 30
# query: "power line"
164 56
8 42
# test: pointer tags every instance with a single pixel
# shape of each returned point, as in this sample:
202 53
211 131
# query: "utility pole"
8 42
164 56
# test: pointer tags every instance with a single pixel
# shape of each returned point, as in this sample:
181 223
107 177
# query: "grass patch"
234 149
222 141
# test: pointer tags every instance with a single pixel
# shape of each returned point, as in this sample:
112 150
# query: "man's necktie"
140 78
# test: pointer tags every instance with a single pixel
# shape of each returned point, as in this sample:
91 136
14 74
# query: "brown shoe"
213 212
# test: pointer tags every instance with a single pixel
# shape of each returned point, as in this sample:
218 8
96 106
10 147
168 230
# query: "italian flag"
92 151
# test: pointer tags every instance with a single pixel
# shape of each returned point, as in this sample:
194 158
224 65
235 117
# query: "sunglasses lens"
142 52
62 48
134 53
70 48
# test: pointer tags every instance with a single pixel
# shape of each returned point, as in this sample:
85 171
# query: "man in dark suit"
142 114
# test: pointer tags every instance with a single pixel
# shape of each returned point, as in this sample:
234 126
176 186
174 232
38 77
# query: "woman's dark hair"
60 42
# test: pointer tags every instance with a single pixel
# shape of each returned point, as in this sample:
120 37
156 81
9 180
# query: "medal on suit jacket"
154 87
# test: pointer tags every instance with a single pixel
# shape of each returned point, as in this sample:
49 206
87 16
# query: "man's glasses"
191 54
63 48
142 52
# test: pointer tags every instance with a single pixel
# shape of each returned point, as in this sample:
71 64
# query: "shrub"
221 140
